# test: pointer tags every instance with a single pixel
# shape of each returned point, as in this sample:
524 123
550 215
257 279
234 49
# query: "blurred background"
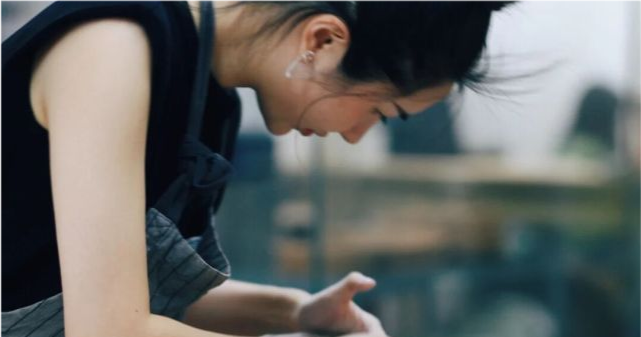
510 213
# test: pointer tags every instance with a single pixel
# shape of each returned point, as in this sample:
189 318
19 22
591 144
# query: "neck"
228 64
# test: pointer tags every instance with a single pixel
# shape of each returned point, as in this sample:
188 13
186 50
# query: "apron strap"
201 78
203 172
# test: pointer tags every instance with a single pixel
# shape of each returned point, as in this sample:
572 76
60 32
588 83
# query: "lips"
309 132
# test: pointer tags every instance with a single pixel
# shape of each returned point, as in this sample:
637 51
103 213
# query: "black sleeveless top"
30 265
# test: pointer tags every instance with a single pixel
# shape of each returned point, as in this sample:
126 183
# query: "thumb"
354 283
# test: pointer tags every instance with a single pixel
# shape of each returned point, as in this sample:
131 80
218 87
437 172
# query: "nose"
355 134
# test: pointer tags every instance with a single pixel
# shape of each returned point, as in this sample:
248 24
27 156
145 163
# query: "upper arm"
95 86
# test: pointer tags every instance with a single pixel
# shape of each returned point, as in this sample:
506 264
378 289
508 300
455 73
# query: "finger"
354 283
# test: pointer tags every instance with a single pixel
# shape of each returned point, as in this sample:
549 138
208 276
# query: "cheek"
336 114
276 106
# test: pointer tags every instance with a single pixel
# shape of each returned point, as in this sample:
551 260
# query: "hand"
332 311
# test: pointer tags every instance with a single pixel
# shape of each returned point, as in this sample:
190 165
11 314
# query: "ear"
328 37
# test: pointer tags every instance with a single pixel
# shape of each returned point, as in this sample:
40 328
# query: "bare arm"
94 89
244 308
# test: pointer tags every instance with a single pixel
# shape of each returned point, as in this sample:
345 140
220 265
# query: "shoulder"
108 56
80 4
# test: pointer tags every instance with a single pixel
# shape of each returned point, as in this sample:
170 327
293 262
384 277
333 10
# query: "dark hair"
411 45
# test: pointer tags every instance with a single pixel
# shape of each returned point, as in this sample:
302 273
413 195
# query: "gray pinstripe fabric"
180 271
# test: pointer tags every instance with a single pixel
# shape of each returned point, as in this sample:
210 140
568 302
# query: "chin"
278 131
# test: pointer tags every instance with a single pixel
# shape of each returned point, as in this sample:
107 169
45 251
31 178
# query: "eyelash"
381 115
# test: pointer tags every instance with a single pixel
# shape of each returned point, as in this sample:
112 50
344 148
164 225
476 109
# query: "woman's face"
319 103
312 108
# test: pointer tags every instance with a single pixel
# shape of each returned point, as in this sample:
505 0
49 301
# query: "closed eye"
378 112
402 114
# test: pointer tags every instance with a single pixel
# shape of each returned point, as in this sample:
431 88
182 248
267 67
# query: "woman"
102 115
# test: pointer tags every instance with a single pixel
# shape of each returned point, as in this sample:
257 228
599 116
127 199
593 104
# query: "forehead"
419 100
414 103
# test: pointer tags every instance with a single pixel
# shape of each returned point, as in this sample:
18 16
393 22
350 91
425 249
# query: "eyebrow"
401 112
